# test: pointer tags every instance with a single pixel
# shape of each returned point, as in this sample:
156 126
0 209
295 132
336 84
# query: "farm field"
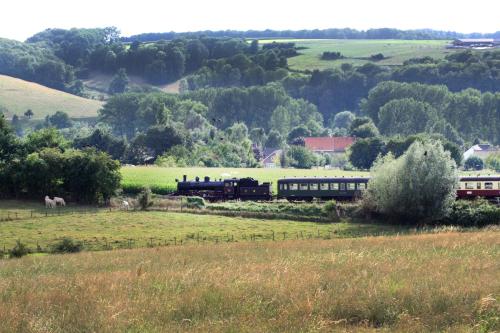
17 96
419 283
100 229
162 180
357 51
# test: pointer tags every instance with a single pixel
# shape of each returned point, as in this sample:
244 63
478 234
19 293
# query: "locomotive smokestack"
184 178
207 179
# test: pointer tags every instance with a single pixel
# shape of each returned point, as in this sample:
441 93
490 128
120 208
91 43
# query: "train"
320 188
225 189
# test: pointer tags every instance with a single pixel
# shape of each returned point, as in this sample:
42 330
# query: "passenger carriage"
487 187
307 189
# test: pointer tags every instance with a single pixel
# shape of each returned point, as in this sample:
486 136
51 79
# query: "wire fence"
193 238
14 215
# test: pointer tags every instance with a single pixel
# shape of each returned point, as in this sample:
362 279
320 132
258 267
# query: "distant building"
482 151
474 43
271 157
329 145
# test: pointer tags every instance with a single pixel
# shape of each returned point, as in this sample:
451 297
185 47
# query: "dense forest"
239 96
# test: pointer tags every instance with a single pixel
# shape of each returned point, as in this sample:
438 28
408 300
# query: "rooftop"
329 144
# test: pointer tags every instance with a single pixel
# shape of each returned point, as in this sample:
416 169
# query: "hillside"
358 52
97 84
17 96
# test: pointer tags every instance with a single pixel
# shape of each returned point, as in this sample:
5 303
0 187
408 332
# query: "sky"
20 19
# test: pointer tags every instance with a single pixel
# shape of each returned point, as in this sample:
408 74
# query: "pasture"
434 282
162 180
17 96
358 51
104 229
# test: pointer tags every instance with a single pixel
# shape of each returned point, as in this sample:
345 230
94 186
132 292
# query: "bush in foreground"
419 186
67 245
19 250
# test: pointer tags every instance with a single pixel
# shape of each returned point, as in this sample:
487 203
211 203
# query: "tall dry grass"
431 282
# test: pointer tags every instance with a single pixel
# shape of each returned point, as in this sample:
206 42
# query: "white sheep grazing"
49 203
125 205
59 201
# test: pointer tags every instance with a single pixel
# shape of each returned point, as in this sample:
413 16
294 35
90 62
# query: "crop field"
358 51
419 283
162 180
17 96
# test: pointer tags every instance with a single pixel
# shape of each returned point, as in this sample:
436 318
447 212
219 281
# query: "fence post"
175 240
284 235
273 235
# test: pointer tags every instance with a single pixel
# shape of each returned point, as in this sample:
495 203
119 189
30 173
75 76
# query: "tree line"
346 33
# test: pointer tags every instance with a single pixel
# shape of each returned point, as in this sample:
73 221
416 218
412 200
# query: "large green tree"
417 187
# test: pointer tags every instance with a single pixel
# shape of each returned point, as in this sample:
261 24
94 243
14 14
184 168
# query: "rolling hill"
17 96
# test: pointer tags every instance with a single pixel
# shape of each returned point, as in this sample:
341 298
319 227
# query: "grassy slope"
396 51
440 282
165 177
98 83
18 96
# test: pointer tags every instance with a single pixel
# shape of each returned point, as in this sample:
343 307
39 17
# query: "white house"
482 151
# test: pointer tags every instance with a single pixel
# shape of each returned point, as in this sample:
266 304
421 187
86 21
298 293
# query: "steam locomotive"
227 189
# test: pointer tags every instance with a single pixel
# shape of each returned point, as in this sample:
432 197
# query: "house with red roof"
329 145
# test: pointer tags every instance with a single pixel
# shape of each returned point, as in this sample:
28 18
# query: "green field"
162 180
17 96
446 282
98 229
357 51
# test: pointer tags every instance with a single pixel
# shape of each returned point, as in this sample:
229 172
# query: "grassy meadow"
162 180
17 96
445 282
358 51
103 229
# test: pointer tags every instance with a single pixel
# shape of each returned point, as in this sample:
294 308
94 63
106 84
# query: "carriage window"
303 187
324 186
285 186
281 186
361 186
334 186
351 186
313 187
469 186
342 186
478 186
294 187
488 186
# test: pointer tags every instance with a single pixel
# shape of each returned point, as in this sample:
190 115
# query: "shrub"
474 163
377 57
145 198
419 186
330 210
67 245
19 250
476 213
195 202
